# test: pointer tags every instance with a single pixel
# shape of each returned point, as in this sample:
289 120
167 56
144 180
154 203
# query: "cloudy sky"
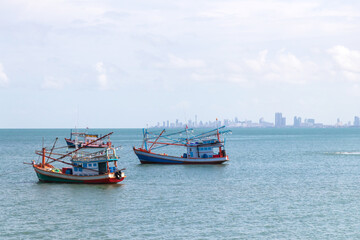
113 64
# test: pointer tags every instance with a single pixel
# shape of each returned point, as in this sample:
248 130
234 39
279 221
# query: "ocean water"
278 184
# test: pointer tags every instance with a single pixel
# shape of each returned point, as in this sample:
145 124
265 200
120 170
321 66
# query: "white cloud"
237 78
204 77
348 61
102 77
257 65
55 12
277 19
4 80
53 83
354 90
177 62
282 67
182 105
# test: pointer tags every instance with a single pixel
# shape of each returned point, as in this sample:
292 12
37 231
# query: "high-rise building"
356 121
297 121
280 121
310 122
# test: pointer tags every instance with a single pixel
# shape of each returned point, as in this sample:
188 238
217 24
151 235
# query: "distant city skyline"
279 122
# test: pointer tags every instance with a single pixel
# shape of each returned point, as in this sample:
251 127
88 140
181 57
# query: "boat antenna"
217 129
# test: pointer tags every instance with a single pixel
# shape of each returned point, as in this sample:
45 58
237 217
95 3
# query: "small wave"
347 153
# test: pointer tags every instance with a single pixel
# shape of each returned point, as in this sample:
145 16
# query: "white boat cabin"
92 166
204 149
89 138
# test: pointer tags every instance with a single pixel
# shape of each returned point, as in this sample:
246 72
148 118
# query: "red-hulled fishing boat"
82 167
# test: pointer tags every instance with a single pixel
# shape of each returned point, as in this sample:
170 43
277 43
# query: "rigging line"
213 134
156 139
86 145
193 138
69 163
179 141
170 139
52 149
208 132
170 134
61 147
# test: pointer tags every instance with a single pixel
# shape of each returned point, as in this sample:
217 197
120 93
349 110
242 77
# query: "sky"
120 64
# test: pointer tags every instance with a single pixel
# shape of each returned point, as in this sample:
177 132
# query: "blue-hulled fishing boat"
204 148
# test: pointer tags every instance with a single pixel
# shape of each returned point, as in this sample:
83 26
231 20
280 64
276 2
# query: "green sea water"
278 184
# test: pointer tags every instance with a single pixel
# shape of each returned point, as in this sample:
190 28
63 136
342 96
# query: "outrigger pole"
54 159
202 134
85 145
170 134
52 149
156 139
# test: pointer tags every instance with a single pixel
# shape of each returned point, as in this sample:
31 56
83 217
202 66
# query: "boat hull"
146 157
49 176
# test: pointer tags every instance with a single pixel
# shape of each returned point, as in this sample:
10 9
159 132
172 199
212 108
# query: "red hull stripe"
47 176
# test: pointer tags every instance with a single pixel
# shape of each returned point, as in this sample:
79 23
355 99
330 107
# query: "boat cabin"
90 138
204 149
94 164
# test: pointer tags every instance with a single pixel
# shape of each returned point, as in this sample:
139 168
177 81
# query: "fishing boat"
74 142
204 148
82 167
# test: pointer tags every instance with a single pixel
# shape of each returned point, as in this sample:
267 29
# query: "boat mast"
43 158
187 135
145 134
218 137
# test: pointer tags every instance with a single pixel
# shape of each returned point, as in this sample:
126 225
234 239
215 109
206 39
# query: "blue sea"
278 184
